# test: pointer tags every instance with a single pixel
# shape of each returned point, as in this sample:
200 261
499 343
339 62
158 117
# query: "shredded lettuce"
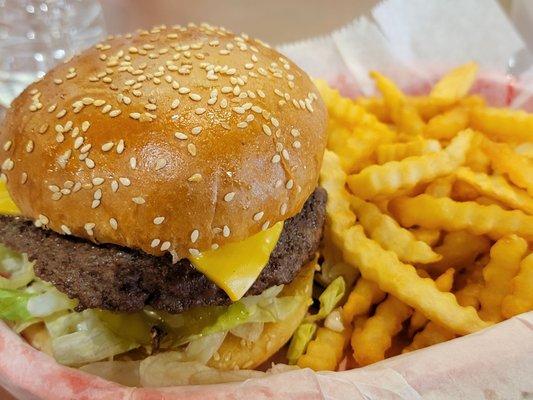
329 299
301 338
15 269
13 305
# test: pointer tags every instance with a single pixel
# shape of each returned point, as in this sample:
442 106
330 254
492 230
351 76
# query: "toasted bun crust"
170 140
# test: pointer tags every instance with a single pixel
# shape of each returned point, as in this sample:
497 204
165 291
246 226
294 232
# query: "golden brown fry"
441 187
398 151
429 236
469 295
402 281
362 297
339 215
376 106
324 352
402 112
525 149
459 250
456 83
430 335
506 161
503 124
504 264
464 191
445 126
391 236
388 178
372 341
498 188
520 299
444 283
443 213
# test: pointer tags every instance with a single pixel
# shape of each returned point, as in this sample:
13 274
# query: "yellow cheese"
236 266
6 204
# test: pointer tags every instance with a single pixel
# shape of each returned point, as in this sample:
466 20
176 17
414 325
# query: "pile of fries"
431 207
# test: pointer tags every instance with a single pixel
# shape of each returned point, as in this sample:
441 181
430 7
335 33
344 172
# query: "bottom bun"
233 353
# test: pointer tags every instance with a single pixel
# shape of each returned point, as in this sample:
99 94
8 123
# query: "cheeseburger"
166 188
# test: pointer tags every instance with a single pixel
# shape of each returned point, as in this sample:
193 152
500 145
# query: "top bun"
176 139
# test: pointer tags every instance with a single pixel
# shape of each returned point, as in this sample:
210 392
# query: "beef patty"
120 279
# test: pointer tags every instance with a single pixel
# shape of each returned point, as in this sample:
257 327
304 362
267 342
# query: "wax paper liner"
413 42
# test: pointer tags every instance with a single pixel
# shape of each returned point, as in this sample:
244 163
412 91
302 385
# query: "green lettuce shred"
329 299
301 338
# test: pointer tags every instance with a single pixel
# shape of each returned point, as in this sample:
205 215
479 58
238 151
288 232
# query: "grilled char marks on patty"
120 279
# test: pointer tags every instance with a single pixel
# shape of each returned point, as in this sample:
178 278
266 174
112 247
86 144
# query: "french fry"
459 250
388 178
498 188
372 341
429 236
503 124
391 236
402 281
444 283
504 264
376 106
469 295
325 352
443 213
520 299
362 297
445 126
464 191
6 204
441 187
430 335
506 161
525 149
398 151
338 212
402 112
455 84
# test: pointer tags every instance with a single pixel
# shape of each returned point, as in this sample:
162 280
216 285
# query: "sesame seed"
165 246
57 196
53 188
115 113
239 110
195 178
160 163
226 231
124 181
43 128
192 149
120 146
98 195
107 146
265 225
66 230
199 110
97 181
229 196
223 103
133 162
85 126
196 130
58 81
135 115
29 146
285 154
214 246
85 148
283 209
8 164
159 220
181 136
61 113
276 159
155 243
106 108
184 90
90 163
296 144
138 200
175 104
258 216
44 219
195 97
114 186
195 252
195 235
114 224
23 178
267 130
289 184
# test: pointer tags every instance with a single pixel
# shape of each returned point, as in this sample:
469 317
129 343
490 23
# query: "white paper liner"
413 42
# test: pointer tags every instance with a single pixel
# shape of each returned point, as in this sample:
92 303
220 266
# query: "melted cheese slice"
6 204
236 266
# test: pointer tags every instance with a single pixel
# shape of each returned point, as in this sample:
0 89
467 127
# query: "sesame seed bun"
175 140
